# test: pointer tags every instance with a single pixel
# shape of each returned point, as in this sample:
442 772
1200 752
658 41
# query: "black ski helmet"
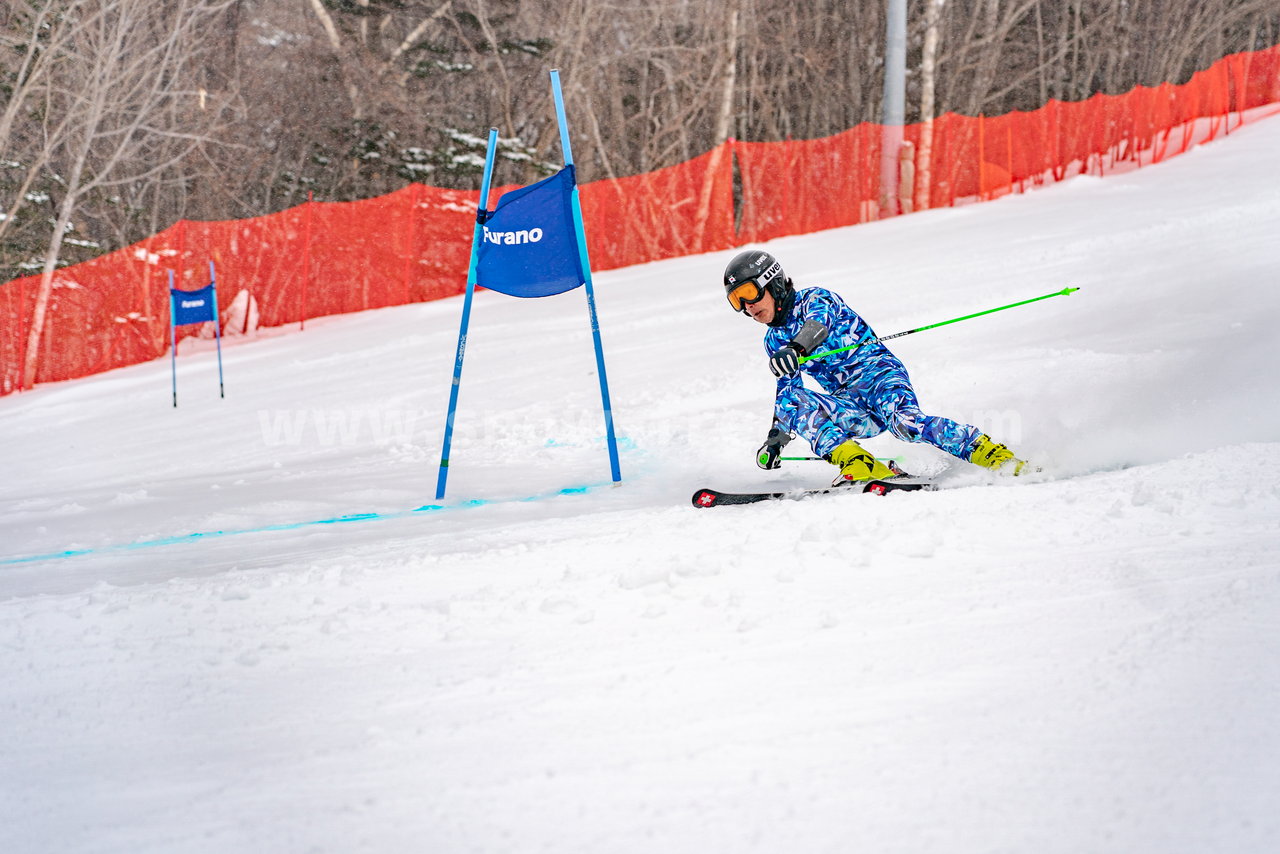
756 265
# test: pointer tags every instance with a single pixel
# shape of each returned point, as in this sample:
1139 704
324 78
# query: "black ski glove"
768 455
785 361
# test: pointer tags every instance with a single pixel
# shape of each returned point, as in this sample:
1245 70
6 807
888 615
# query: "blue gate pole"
217 331
476 237
173 342
585 263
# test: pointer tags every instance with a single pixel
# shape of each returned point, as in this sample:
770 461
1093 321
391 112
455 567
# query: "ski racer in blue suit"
865 390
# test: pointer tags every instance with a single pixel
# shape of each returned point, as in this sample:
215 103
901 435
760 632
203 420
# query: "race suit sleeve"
810 337
819 308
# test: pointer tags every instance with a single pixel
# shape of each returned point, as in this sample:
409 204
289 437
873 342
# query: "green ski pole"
824 459
1062 293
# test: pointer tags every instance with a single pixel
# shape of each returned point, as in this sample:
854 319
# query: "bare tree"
724 120
118 80
355 98
928 69
37 34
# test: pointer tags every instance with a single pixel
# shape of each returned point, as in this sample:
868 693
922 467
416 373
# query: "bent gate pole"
585 263
476 237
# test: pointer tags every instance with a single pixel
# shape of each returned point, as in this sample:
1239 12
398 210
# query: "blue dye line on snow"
289 526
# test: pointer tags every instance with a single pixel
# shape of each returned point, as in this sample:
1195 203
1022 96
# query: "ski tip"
705 498
898 484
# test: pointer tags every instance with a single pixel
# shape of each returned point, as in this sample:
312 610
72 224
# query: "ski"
714 498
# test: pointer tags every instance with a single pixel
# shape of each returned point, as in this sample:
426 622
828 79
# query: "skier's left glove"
785 361
768 457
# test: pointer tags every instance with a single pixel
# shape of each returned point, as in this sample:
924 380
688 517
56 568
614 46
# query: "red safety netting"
324 258
796 187
800 186
681 210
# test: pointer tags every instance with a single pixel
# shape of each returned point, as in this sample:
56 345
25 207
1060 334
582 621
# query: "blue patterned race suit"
867 389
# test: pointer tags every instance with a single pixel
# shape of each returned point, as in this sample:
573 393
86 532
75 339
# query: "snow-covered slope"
1084 662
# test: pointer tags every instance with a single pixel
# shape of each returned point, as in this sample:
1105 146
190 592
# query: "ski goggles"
748 293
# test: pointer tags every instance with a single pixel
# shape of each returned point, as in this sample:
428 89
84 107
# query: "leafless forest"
119 117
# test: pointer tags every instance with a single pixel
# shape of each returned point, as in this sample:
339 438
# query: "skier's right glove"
785 361
768 457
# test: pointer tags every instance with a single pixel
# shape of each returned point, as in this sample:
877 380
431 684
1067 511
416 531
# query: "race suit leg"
890 399
825 420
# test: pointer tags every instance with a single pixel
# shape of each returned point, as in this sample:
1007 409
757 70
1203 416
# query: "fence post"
982 157
1008 154
24 329
306 266
411 240
182 250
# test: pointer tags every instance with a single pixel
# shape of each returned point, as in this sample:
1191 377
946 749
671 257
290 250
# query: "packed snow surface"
1086 660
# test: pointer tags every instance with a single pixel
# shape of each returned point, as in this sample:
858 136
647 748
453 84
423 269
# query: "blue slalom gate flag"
528 242
193 306
185 308
532 244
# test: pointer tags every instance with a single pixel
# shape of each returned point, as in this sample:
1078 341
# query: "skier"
867 388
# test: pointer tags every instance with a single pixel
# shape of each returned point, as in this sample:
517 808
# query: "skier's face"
762 311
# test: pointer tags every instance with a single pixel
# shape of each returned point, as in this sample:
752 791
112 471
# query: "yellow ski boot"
992 455
856 464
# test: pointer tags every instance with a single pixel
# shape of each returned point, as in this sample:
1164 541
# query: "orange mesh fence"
680 210
795 187
413 245
326 258
101 314
808 185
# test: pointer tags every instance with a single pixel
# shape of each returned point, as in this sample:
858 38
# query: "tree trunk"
724 122
928 71
336 43
45 293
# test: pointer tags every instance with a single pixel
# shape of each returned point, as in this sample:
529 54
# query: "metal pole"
893 111
585 263
217 327
173 342
476 237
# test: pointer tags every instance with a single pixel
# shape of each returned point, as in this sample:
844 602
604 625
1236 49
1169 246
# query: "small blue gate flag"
193 306
529 245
